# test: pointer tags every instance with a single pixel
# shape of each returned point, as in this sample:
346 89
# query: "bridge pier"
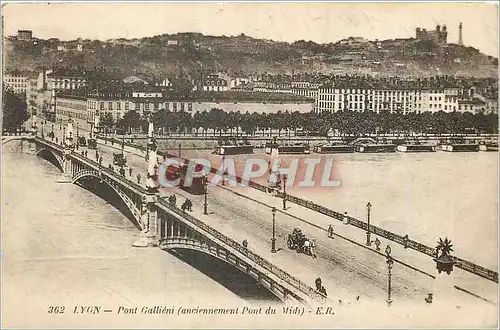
149 214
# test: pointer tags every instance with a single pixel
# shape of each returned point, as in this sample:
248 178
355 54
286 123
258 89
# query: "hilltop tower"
460 38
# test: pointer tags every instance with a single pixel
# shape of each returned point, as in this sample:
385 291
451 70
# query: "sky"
321 22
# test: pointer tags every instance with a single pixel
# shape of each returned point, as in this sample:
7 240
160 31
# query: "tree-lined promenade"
342 122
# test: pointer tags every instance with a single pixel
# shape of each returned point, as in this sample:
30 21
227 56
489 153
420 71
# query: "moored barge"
376 148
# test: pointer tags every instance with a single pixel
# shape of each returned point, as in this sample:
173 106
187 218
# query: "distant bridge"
170 228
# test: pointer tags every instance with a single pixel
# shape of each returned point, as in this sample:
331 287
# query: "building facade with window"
17 82
72 106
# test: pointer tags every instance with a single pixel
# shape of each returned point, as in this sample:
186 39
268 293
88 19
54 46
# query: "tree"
107 120
15 111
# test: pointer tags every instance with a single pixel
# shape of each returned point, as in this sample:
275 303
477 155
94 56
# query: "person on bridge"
323 291
377 243
130 171
330 231
245 243
312 248
122 171
57 140
96 156
138 178
318 283
86 153
184 206
100 160
189 205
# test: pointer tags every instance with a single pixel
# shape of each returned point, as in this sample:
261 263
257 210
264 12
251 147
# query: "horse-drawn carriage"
119 159
299 242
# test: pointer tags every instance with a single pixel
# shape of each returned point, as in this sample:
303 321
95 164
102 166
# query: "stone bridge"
168 227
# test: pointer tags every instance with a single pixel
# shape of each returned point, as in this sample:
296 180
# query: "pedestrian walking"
122 171
245 243
377 244
86 153
130 171
138 178
330 231
96 156
100 160
183 207
312 248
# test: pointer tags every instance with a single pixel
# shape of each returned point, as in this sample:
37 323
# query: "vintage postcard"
249 165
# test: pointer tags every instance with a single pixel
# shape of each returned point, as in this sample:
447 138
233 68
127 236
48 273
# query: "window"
127 106
118 105
102 105
167 106
137 107
146 107
175 106
190 107
110 105
156 105
182 106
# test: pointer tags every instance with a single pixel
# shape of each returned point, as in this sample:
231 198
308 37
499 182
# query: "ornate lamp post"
390 262
77 136
284 192
180 148
205 205
368 238
223 170
273 240
43 136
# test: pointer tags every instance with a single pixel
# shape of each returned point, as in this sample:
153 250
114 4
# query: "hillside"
189 53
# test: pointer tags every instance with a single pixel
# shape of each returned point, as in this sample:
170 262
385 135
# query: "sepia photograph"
249 165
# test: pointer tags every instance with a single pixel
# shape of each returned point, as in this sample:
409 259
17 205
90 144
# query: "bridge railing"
278 272
405 241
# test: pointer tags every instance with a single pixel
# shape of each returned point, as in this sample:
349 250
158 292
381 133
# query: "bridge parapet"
145 210
294 285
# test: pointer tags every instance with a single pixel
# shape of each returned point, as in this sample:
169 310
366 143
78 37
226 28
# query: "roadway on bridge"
348 270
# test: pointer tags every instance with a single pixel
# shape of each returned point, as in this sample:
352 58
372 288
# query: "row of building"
61 94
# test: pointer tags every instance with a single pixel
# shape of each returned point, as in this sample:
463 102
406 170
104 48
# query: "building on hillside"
134 80
24 35
491 105
439 36
473 105
212 83
16 81
63 79
165 83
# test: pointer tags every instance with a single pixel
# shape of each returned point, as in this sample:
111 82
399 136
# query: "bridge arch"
52 157
136 213
213 250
